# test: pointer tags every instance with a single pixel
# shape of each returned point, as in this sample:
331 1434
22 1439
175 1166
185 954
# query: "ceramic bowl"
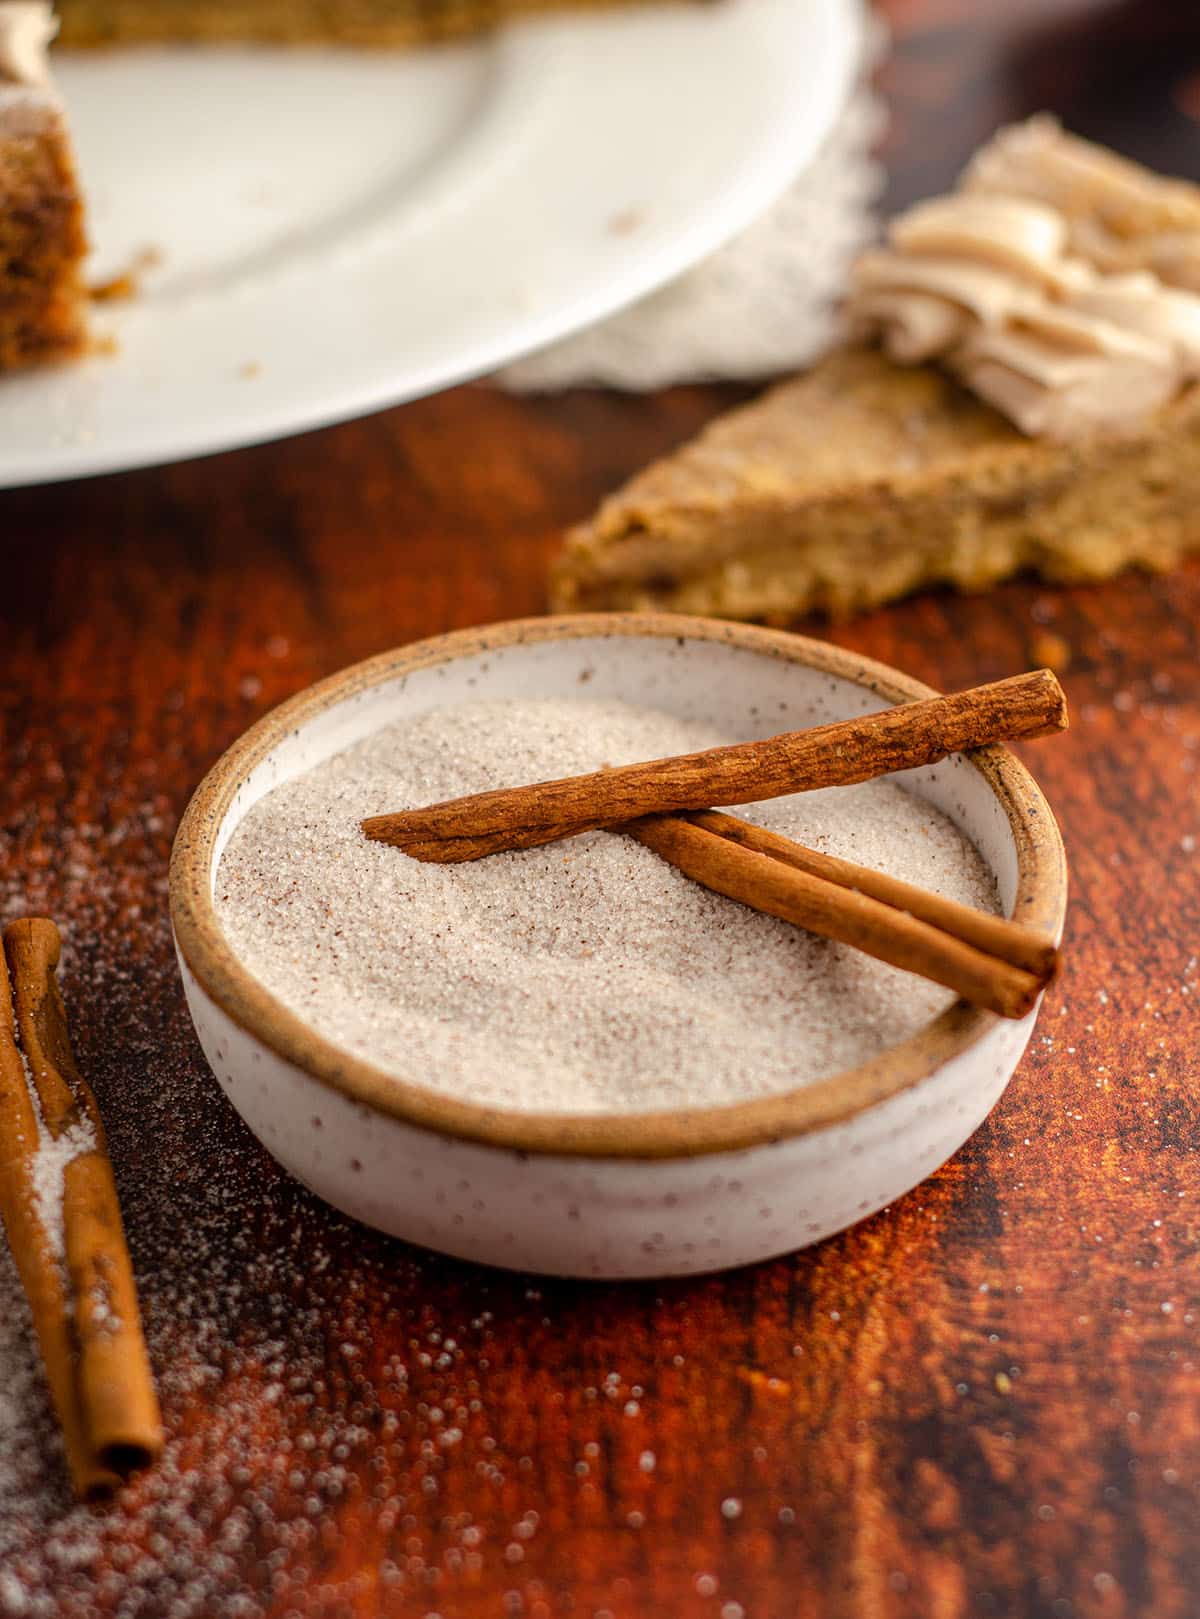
605 1195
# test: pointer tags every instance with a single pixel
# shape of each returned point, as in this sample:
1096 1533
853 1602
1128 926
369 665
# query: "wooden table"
986 1400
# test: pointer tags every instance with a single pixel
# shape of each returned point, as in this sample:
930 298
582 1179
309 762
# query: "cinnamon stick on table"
987 960
906 737
58 1200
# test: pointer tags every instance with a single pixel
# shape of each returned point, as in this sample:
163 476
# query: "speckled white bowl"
610 1195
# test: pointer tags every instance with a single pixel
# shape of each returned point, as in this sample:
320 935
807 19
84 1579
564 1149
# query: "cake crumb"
127 283
626 221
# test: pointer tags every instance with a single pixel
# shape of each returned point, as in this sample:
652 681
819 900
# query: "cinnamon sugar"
583 976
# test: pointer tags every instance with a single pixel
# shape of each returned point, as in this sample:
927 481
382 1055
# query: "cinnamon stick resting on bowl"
664 804
987 960
906 737
59 1204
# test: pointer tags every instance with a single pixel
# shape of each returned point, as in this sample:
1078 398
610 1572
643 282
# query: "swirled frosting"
998 286
26 29
1120 216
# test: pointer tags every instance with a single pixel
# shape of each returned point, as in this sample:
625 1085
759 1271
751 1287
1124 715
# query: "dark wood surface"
986 1400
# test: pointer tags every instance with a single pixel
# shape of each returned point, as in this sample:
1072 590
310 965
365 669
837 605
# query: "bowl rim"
675 1133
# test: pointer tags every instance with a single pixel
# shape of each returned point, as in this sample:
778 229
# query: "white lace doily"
763 303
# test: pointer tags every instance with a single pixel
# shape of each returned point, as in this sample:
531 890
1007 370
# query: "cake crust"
299 22
863 481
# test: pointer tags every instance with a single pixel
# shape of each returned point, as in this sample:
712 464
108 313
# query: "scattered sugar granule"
587 975
48 1173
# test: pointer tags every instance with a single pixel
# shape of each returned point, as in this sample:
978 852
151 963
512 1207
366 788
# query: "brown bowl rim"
1040 901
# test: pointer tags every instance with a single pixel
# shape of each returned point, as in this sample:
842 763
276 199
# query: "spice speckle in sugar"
586 975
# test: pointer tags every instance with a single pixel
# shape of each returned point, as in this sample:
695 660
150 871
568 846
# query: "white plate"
342 230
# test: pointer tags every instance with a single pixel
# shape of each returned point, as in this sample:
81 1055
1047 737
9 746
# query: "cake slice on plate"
42 239
1020 394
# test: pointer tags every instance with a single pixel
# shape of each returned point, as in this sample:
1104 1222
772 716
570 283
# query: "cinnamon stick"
68 1240
1013 942
782 888
906 737
38 1266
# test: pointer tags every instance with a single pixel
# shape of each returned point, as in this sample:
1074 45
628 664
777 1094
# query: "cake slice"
1032 404
42 239
863 481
